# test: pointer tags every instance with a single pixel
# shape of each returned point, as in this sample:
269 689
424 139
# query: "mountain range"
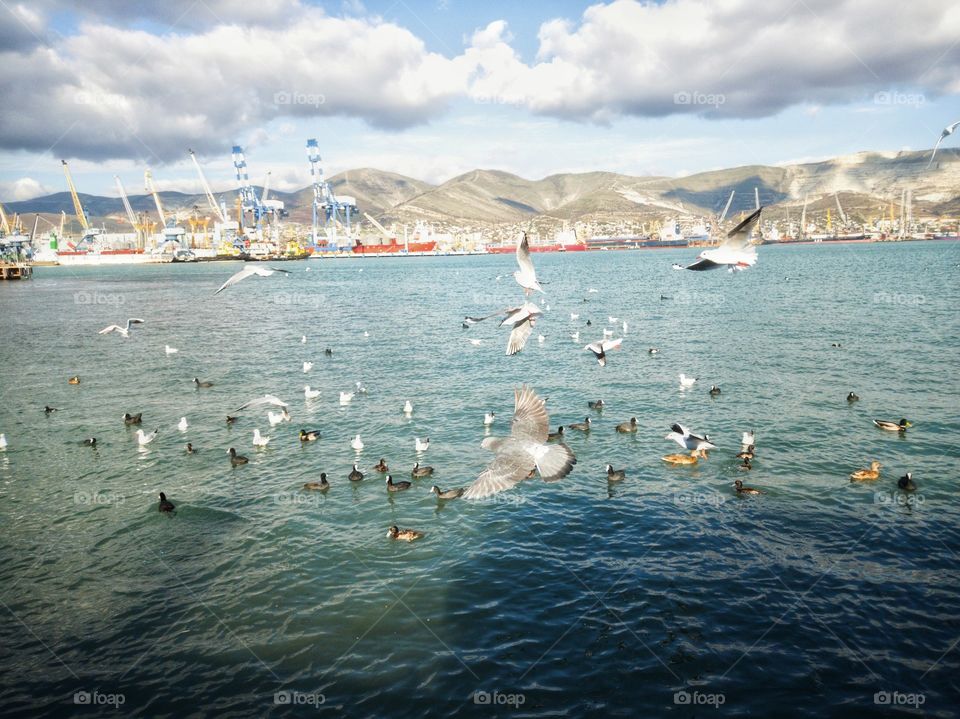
866 183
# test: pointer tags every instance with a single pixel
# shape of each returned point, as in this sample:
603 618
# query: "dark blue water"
667 593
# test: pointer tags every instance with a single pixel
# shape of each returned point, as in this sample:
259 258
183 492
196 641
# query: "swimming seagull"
360 388
357 443
521 320
345 398
488 418
259 440
541 339
525 450
276 418
266 400
687 439
246 272
947 131
687 381
407 407
526 276
182 425
736 252
143 439
307 366
303 340
421 445
601 348
310 393
3 442
170 350
124 331
475 343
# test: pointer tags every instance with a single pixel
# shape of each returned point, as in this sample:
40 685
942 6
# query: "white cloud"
25 188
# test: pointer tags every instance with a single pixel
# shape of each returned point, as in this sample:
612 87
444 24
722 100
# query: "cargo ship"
563 241
393 247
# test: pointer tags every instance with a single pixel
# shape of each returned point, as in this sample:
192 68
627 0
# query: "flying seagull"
526 276
246 272
267 399
736 252
947 131
521 321
525 450
601 348
125 331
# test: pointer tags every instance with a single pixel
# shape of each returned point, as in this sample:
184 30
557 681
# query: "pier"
15 271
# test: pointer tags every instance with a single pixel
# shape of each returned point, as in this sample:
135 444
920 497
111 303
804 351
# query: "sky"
435 88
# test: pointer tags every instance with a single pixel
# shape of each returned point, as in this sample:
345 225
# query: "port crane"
89 233
168 227
4 224
337 210
138 227
226 232
249 202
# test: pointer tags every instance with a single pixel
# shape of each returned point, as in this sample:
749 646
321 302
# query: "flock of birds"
531 448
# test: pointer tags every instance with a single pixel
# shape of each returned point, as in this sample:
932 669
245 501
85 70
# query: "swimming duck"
852 397
309 435
129 419
407 535
691 458
583 426
74 380
552 436
596 405
200 384
322 486
653 351
589 323
419 471
328 352
235 459
906 482
396 486
714 391
48 409
627 427
189 448
449 494
381 466
746 464
900 426
862 475
355 475
231 420
92 442
165 504
746 453
746 490
615 475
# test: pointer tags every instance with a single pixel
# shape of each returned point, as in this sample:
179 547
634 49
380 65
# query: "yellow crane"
77 207
4 225
151 188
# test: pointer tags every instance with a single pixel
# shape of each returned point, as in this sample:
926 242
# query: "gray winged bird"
526 276
736 252
246 272
525 450
124 331
947 131
521 320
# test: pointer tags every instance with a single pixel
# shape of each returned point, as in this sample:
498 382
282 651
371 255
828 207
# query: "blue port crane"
336 211
249 202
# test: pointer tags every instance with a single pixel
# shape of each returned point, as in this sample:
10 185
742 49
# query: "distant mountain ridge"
489 197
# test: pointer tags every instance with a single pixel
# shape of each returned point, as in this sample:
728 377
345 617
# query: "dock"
15 271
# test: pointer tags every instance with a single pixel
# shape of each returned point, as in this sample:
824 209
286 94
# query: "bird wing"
680 429
530 419
504 472
519 336
133 321
111 328
556 463
608 345
263 401
241 275
595 347
740 236
268 271
702 264
523 257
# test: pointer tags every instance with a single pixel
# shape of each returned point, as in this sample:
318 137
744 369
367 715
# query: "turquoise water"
568 598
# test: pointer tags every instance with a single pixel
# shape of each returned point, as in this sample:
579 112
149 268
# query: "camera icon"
681 698
81 697
481 697
882 98
681 98
281 98
881 698
283 697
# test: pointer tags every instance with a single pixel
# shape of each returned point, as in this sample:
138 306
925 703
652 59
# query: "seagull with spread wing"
124 331
249 271
736 252
525 450
268 400
947 131
603 346
521 321
526 276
